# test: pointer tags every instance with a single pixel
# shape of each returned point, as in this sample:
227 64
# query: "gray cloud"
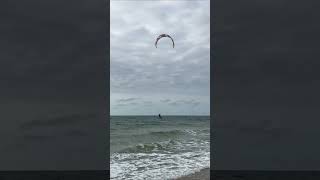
147 102
126 100
127 104
165 100
186 102
139 69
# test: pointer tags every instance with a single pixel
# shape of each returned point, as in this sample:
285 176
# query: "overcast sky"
145 80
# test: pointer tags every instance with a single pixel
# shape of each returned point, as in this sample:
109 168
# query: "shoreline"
203 174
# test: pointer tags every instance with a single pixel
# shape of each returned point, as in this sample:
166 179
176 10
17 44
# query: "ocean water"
145 147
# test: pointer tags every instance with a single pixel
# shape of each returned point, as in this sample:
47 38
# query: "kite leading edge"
161 36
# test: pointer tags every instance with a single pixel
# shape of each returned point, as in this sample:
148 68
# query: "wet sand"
204 174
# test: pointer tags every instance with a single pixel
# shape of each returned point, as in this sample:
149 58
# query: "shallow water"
145 147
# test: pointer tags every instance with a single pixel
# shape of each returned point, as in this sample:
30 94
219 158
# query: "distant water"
145 147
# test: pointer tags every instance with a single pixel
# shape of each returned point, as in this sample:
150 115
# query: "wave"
171 133
155 141
157 166
151 147
168 133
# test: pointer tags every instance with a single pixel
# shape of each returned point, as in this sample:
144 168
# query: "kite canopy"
161 36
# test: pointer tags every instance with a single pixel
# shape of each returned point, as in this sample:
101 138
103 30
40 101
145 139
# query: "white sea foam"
154 166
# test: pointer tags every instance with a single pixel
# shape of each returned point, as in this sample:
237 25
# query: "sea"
146 147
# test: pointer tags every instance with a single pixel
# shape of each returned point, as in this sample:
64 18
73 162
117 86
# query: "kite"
161 36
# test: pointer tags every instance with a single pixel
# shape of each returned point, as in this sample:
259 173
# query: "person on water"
160 116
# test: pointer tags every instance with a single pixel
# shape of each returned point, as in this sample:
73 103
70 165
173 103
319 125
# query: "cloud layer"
139 70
